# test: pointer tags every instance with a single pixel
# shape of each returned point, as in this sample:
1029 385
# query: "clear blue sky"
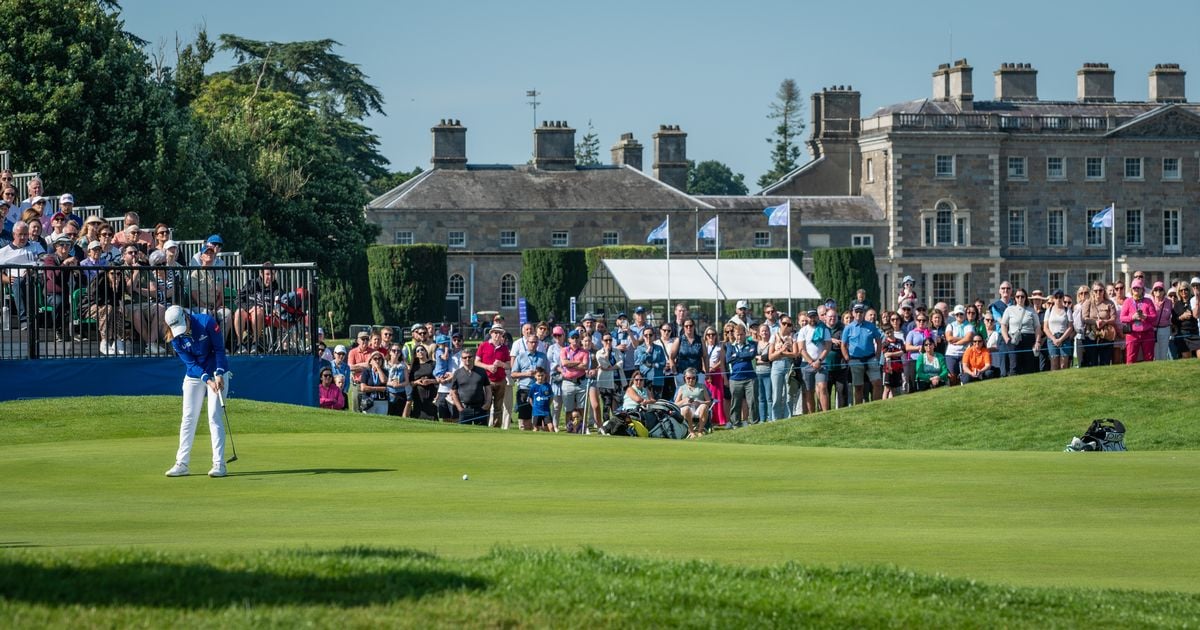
711 67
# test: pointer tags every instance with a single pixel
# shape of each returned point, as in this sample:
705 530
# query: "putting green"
1053 519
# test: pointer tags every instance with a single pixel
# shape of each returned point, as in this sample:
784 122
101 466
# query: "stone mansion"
958 193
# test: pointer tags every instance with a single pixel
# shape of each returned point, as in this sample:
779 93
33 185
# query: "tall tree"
711 177
380 185
785 151
587 151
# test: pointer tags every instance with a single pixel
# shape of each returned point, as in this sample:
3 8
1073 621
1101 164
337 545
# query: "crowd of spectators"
755 369
124 279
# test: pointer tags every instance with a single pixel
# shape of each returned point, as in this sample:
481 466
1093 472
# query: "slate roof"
523 187
1030 108
813 210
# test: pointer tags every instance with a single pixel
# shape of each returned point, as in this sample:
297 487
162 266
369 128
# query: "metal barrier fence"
87 312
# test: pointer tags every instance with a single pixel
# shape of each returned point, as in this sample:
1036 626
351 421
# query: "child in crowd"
540 394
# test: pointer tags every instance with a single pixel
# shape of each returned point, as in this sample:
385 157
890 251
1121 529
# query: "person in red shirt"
494 358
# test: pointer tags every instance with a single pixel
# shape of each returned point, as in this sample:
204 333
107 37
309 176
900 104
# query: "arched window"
508 291
945 223
456 288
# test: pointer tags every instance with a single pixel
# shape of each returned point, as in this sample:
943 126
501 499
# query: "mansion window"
1018 280
862 240
944 287
944 166
1016 168
508 291
1133 227
870 170
1056 168
1056 228
1171 231
1016 228
403 237
1133 168
508 238
1057 280
456 288
456 238
1095 236
762 239
611 237
1094 168
1171 169
560 238
945 226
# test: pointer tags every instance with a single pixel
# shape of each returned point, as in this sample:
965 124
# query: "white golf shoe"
119 347
178 470
218 470
106 348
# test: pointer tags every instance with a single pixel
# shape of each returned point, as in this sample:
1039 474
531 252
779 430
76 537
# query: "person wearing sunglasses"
977 361
1021 327
1139 314
329 394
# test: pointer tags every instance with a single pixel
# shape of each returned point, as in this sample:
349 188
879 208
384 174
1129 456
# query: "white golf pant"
194 392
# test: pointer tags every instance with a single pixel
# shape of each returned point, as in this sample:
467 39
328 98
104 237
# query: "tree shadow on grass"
310 471
195 585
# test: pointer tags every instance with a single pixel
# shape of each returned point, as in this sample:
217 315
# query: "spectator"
740 357
1099 318
610 377
1008 363
714 349
494 357
341 367
689 353
60 283
670 346
330 396
839 370
913 340
66 205
446 360
471 391
861 347
1059 332
770 318
959 334
140 308
91 230
57 225
554 357
638 393
525 367
651 360
218 245
106 297
860 297
130 233
573 365
814 343
1187 335
1139 314
892 362
19 254
424 385
693 402
1081 298
110 252
373 383
763 394
208 289
937 326
626 341
906 293
1021 328
255 300
977 361
34 188
931 367
161 234
36 241
540 394
783 351
742 315
93 260
1165 308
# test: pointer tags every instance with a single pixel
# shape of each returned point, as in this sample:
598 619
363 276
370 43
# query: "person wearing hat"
196 339
93 260
444 373
1187 332
90 231
1138 312
741 315
959 335
814 343
255 300
1021 328
207 287
907 291
495 359
639 324
66 205
218 246
341 368
59 283
359 355
1165 308
862 344
372 385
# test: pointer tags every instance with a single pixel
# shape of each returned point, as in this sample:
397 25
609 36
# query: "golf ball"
465 477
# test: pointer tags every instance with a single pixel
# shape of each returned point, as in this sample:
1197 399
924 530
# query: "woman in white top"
1060 332
958 336
1081 296
1022 330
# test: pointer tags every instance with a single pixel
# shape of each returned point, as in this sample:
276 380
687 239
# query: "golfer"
197 341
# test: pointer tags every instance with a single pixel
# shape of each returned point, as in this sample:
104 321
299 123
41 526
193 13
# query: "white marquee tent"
705 279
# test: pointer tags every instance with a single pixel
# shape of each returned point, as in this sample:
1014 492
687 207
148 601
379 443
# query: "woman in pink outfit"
1139 314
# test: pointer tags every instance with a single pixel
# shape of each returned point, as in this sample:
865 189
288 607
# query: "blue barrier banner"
284 379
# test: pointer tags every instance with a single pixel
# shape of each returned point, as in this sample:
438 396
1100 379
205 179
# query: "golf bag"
1103 435
663 420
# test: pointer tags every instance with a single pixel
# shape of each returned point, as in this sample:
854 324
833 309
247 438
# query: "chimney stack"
1016 82
959 81
1166 84
627 150
449 145
670 156
941 82
1095 83
554 146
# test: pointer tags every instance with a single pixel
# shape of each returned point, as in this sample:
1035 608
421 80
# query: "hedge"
637 252
764 252
408 282
344 298
839 273
549 277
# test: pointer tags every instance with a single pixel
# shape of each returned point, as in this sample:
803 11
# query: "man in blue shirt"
198 342
862 343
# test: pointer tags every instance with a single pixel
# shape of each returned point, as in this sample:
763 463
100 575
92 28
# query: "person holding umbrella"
197 341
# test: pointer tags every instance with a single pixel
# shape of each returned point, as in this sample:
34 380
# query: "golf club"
228 428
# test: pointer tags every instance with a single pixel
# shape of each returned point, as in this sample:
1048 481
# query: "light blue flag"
709 230
1104 218
779 215
658 233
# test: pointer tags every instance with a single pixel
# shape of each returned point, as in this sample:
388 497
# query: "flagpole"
717 287
1112 233
791 313
667 317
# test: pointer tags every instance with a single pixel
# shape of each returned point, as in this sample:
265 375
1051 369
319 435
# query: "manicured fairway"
1053 519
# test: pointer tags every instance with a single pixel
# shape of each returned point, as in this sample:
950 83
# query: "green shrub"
839 272
625 252
760 252
347 295
408 282
549 277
